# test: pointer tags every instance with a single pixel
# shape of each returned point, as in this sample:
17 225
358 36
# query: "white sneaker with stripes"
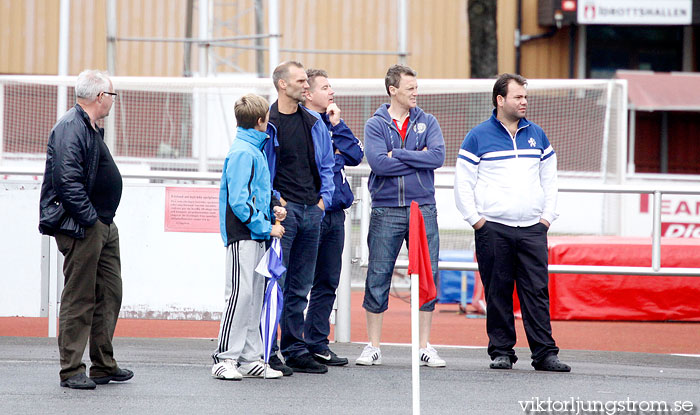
429 357
370 356
258 369
226 370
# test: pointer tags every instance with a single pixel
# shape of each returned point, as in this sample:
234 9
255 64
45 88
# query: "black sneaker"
121 375
330 359
79 381
277 364
305 363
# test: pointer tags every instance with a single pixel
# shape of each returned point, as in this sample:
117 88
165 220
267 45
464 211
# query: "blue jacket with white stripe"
506 179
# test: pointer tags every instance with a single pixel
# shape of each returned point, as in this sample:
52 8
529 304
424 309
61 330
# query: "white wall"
165 274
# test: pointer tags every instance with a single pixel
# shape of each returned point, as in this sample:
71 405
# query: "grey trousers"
239 332
91 299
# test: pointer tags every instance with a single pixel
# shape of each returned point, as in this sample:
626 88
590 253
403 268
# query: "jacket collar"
252 136
523 122
86 119
383 112
308 118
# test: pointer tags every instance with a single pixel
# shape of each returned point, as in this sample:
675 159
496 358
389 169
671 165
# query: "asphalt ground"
172 376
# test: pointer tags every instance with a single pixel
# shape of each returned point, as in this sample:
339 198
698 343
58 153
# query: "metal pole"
581 53
63 49
656 233
187 58
366 204
664 142
632 141
110 121
111 36
54 269
201 101
415 370
273 24
343 319
403 30
259 56
203 34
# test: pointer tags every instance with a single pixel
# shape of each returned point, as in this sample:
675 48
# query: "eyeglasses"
114 94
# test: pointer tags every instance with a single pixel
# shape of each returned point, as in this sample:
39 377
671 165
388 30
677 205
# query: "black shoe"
121 375
501 362
551 363
277 364
329 358
79 381
305 363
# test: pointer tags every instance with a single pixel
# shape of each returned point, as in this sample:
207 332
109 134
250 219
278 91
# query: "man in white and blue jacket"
404 145
347 150
300 157
506 189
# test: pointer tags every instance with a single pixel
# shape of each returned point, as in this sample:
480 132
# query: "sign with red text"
191 209
680 215
635 12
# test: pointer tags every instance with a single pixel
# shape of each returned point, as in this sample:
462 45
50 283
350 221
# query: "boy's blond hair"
249 109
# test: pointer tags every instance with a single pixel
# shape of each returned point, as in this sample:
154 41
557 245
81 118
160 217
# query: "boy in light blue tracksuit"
245 212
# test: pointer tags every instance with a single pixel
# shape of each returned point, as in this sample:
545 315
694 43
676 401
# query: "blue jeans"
388 228
299 248
329 260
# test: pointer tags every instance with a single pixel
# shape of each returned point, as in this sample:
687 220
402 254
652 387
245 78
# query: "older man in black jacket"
79 197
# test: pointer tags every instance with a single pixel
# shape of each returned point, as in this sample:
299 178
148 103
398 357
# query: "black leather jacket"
72 158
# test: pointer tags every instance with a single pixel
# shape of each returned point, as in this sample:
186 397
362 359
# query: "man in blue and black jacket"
404 145
347 150
300 158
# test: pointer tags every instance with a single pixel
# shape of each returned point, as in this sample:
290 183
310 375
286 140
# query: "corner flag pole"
415 372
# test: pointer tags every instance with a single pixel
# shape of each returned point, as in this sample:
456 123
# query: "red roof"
662 91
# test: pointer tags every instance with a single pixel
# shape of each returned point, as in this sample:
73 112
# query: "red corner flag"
419 256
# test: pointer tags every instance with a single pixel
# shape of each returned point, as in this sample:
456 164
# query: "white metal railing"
342 318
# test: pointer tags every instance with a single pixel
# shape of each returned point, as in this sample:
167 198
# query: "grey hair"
91 83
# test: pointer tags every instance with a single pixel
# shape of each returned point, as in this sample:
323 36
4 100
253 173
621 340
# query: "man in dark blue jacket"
404 146
348 151
300 157
80 194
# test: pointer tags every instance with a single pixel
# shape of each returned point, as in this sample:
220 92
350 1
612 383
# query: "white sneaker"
258 369
226 370
429 357
370 356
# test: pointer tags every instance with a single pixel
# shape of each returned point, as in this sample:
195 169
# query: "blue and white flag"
272 267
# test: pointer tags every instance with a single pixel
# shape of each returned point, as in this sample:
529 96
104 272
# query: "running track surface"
449 328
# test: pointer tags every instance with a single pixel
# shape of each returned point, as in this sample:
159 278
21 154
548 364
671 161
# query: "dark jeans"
388 228
329 260
91 299
299 248
507 255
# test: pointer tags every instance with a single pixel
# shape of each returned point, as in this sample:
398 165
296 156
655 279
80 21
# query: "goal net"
186 125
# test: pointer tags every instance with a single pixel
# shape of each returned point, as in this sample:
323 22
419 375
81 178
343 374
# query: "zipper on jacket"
402 190
512 137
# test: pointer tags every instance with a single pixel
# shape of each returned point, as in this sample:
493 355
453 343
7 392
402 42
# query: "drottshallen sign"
635 12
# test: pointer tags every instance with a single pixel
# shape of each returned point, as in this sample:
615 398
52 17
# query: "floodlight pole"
403 30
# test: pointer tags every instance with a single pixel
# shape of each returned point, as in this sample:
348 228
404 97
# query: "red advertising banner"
680 230
191 209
